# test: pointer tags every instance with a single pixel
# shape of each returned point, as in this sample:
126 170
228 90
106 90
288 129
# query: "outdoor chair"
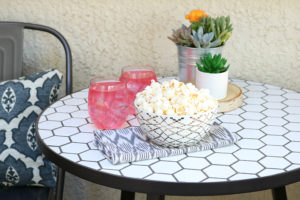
12 184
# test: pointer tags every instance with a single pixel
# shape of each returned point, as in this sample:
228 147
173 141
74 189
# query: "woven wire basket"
175 131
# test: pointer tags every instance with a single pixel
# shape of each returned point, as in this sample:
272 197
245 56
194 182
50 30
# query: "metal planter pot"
187 58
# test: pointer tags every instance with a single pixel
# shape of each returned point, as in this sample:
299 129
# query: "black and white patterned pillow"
21 101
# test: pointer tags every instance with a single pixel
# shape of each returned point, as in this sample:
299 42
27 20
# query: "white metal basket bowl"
173 130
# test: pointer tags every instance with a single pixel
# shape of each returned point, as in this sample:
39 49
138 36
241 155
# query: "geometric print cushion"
21 101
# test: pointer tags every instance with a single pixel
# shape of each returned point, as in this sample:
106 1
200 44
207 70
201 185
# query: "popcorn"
174 98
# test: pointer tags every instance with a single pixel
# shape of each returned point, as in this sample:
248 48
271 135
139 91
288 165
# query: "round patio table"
266 157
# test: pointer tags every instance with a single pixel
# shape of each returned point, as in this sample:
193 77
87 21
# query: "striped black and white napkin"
131 144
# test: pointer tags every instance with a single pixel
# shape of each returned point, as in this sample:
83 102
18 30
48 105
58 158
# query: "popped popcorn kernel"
175 98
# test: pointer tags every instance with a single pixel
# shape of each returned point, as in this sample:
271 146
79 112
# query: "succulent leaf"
196 42
183 26
200 31
222 23
222 34
226 37
227 19
212 64
215 43
210 36
205 39
195 35
226 68
182 36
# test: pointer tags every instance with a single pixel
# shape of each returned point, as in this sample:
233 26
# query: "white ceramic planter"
216 83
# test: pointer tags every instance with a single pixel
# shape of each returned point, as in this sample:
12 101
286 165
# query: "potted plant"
212 74
204 35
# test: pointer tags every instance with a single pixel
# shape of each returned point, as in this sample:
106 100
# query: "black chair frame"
60 37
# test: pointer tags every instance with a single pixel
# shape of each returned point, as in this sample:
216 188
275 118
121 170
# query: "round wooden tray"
233 100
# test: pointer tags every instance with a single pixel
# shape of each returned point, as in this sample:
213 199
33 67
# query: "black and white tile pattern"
268 123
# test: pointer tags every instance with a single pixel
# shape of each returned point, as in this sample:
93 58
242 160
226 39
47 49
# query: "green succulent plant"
204 40
220 26
212 64
182 36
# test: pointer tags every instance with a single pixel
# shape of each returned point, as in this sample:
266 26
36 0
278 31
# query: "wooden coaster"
233 100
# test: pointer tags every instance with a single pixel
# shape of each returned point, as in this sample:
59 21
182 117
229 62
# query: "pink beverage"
136 79
108 103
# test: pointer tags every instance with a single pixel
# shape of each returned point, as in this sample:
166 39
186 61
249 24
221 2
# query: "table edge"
163 187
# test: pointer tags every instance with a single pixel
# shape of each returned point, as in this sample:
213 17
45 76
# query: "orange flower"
195 15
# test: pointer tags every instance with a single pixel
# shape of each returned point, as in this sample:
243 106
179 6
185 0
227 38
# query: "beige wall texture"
106 35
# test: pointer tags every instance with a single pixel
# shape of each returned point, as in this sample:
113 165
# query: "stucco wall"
105 35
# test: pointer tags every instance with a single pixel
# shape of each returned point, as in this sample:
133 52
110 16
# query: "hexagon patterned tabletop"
268 123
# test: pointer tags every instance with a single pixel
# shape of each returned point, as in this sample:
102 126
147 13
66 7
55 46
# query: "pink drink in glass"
108 103
137 78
